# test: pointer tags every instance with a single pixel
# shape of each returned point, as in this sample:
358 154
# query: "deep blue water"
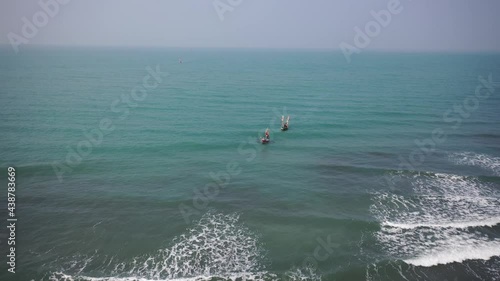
390 169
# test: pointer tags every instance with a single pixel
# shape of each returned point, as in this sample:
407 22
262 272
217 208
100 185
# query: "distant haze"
422 25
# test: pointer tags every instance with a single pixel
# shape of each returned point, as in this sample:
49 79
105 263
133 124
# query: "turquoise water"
178 186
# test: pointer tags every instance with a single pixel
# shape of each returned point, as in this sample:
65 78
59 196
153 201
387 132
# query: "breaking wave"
218 246
440 222
480 160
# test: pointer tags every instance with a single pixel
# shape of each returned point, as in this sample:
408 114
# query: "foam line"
483 251
484 161
59 276
438 221
465 224
218 246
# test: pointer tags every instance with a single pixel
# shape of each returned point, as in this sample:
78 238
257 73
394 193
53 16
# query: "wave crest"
484 161
440 221
218 246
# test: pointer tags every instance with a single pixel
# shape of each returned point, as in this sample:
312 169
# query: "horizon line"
332 49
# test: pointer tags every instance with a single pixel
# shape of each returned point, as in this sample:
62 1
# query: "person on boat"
284 125
267 134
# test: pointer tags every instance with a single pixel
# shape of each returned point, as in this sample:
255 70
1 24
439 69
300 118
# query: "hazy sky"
455 25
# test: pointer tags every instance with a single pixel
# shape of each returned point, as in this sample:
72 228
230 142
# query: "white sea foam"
217 247
475 159
257 276
303 274
456 224
440 201
480 251
438 222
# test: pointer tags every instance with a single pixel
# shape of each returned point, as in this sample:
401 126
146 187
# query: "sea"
136 164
